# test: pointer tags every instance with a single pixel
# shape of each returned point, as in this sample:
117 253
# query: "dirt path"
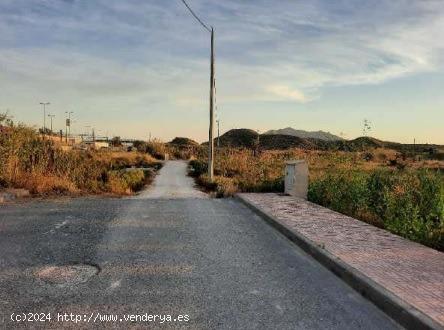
172 182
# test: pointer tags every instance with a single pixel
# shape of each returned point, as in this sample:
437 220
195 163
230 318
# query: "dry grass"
251 172
241 170
378 186
37 183
42 167
131 158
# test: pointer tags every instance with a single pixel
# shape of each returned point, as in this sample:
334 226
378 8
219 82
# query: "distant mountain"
320 135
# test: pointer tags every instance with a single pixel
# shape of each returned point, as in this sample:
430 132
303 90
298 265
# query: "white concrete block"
296 178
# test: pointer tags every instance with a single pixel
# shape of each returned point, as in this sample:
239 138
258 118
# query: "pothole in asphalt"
66 275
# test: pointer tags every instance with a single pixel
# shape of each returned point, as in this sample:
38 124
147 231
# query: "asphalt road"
170 250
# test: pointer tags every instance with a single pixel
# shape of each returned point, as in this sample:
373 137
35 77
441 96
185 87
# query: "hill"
247 138
239 138
359 144
320 135
183 141
281 142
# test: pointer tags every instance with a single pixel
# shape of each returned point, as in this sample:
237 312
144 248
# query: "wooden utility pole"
212 95
211 140
44 118
218 132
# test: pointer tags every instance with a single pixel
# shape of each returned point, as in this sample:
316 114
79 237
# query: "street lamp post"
44 116
51 117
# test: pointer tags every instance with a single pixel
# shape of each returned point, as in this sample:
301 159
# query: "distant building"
128 146
97 145
100 145
74 140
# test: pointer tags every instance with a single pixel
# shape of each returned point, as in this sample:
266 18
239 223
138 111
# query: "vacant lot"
379 186
27 161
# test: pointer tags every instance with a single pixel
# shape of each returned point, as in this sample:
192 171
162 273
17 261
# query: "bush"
242 172
156 148
223 187
402 199
268 185
126 182
368 156
27 161
345 192
198 168
408 203
140 146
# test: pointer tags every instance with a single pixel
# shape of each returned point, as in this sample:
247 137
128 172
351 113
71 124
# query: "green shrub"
400 198
345 192
267 185
408 203
125 182
223 187
198 167
135 179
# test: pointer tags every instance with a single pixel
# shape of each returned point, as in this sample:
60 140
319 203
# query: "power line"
196 17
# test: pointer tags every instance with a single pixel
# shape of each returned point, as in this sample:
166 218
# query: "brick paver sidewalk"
409 270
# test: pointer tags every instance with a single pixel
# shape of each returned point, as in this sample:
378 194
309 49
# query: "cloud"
317 43
324 43
286 93
136 54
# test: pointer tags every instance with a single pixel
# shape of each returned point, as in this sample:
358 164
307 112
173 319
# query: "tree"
367 127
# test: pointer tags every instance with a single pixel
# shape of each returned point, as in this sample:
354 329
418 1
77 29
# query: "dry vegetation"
40 166
379 186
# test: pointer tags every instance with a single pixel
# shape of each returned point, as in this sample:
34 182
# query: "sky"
138 67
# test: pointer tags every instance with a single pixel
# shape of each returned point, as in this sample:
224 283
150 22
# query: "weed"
407 200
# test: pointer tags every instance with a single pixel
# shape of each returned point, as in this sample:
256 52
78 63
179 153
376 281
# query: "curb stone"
405 314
